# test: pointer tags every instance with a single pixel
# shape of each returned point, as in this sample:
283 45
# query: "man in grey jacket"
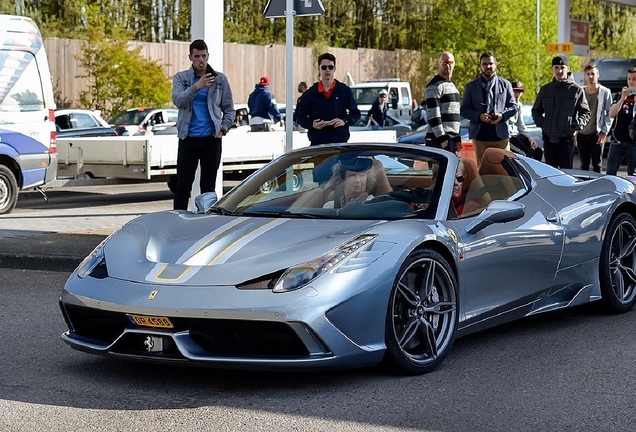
560 110
488 103
591 138
206 112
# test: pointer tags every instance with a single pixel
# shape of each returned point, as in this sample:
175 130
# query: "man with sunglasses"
328 107
442 107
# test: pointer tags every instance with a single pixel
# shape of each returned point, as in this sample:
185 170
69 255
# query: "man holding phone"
206 112
328 107
622 111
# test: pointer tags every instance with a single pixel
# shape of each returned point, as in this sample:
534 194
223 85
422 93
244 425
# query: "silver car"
342 256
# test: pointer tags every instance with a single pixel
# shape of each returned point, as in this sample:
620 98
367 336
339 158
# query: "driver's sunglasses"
325 67
447 62
460 178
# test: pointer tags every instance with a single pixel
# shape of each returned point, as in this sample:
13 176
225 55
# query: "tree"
120 78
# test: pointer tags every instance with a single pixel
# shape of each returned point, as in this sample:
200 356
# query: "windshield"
366 95
342 182
133 117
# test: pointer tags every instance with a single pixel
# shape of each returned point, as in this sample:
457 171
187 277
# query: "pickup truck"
400 97
154 157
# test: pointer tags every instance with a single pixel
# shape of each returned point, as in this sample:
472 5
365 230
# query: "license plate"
150 321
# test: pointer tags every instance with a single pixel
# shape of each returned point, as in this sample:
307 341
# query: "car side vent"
263 282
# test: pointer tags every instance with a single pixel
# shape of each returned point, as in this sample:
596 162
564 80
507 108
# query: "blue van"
28 153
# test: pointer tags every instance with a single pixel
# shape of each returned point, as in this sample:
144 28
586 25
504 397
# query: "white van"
28 153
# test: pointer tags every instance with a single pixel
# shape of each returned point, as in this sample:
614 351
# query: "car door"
507 266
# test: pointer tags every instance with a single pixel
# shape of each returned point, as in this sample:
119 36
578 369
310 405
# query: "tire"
617 264
8 190
422 314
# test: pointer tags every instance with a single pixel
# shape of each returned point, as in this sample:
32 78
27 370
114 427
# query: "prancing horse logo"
149 343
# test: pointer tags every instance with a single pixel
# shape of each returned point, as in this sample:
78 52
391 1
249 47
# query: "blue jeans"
617 151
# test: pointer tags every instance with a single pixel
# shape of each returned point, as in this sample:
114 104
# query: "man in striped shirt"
442 107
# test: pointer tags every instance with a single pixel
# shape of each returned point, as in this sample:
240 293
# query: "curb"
48 251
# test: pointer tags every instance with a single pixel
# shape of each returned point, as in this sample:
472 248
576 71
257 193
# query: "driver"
349 181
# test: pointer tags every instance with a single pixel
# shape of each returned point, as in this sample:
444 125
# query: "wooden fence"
244 65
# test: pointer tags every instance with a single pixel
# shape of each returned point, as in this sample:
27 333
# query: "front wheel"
422 314
8 190
617 269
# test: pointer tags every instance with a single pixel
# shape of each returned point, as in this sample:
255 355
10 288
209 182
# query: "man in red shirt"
328 107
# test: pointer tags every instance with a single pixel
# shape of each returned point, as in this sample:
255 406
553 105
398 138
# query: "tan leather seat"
496 178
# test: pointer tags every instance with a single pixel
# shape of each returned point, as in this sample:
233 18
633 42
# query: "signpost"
287 9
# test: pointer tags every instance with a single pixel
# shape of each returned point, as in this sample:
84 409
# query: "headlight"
95 258
300 275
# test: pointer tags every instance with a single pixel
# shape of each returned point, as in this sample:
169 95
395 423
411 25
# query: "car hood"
194 249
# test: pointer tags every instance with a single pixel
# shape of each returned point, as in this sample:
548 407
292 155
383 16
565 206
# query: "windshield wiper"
285 213
220 210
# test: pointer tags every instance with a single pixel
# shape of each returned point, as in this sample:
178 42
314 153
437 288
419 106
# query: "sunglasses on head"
460 178
325 67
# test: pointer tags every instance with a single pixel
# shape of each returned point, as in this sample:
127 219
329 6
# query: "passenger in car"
460 188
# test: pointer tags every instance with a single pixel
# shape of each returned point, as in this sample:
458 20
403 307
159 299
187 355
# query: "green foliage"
467 28
120 78
28 101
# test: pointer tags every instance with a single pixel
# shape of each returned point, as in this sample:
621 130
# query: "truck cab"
400 97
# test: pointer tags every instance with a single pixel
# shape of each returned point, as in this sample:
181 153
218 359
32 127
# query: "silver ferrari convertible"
342 256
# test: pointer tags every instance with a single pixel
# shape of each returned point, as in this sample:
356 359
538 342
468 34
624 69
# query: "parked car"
391 123
418 137
139 121
286 272
81 123
533 129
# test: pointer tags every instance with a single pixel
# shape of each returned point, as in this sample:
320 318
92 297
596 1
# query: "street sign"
277 8
552 48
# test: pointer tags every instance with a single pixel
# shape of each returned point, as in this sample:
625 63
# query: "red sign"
580 32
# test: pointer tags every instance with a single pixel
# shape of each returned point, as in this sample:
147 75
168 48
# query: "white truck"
27 123
154 157
400 97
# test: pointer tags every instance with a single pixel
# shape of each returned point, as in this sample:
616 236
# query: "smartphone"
210 71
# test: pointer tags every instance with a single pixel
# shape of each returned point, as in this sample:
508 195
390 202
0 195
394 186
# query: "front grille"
246 338
238 338
98 325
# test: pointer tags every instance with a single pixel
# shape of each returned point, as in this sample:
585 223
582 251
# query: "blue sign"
277 8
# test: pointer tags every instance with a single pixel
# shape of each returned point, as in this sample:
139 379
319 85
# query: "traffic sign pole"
289 96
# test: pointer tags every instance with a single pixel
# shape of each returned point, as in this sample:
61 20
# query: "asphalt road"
564 371
570 370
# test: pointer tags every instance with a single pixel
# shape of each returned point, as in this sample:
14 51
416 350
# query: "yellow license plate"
150 321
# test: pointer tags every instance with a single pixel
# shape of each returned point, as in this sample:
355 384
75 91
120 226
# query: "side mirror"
204 201
498 211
